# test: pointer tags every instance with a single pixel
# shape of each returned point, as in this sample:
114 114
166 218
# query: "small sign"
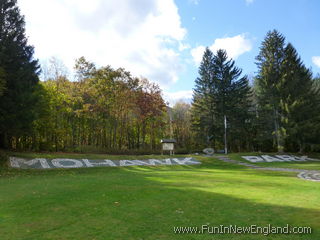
167 146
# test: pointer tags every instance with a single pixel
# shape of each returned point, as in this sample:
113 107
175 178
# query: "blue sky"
163 40
297 20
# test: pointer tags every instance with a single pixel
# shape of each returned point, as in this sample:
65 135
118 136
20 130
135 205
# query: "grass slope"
147 202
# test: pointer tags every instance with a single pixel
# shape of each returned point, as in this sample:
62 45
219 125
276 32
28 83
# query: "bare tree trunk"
278 137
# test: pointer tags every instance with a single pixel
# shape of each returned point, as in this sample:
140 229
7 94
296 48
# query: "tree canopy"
220 91
107 109
18 74
286 94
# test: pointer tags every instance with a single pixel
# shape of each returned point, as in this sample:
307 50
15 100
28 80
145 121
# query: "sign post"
168 145
225 135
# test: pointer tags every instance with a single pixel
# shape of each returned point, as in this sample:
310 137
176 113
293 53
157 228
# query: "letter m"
23 163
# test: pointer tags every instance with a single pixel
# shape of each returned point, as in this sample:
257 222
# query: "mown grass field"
146 203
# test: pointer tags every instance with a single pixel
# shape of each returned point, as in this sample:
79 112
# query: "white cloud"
197 54
316 61
143 36
173 97
183 46
235 46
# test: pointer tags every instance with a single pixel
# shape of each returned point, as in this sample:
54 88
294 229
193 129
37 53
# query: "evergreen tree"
299 102
2 81
316 81
268 86
288 99
203 101
231 95
219 92
21 75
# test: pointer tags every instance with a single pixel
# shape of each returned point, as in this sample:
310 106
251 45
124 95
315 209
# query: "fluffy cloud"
173 97
197 54
143 36
235 46
316 61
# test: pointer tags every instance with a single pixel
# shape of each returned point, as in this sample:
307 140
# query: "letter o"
59 163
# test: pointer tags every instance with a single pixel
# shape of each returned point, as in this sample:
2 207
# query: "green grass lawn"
140 203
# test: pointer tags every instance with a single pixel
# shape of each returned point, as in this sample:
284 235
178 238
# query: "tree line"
280 112
104 108
109 110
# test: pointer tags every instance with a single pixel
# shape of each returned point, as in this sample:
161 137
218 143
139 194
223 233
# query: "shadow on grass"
147 202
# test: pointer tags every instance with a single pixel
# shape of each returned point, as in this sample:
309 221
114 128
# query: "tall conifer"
220 91
20 71
268 86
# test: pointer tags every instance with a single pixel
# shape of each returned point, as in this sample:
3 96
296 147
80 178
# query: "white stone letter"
100 163
17 162
58 162
285 158
160 161
253 158
185 161
271 159
127 163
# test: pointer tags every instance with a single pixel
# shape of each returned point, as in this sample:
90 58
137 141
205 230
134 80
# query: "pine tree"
203 102
231 95
219 92
316 81
288 99
21 74
268 86
2 81
299 102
